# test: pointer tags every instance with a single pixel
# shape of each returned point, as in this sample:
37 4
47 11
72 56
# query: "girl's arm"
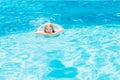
59 31
39 32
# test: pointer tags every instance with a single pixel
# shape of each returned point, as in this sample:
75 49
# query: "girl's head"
48 28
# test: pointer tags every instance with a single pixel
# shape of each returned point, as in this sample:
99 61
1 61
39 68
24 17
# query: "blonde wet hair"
49 25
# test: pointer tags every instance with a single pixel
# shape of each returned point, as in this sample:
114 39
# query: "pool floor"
89 53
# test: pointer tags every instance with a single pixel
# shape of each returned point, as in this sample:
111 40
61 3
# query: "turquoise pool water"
89 48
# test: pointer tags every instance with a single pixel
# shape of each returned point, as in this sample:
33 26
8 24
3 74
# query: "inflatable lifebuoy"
56 27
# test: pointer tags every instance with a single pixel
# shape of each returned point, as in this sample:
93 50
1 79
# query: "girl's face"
48 30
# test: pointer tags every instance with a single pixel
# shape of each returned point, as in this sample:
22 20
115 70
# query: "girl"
49 30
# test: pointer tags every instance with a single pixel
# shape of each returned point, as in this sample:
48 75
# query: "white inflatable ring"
55 26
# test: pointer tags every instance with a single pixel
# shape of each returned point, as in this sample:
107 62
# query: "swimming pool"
89 49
